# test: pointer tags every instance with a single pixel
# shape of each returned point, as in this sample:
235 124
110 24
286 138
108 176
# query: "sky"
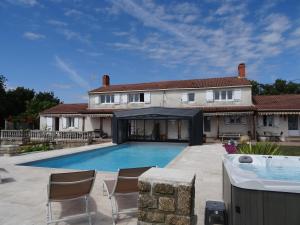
65 46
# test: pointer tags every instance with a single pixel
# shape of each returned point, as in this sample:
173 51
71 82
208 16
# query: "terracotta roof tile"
66 108
277 102
80 108
196 83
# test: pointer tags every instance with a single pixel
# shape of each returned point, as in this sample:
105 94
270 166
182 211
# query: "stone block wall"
166 197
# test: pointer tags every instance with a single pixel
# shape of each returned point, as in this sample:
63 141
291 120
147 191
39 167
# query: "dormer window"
104 99
223 95
136 97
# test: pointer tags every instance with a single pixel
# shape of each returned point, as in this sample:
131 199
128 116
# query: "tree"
17 100
3 111
255 87
278 87
40 102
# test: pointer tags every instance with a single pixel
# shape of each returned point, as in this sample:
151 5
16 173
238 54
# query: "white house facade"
227 104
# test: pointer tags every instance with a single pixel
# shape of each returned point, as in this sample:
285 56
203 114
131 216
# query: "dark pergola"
193 116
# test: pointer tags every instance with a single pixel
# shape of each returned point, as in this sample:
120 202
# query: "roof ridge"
188 83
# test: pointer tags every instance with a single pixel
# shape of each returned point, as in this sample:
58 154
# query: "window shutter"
117 98
124 98
147 97
76 122
184 97
227 120
260 121
237 94
49 123
97 99
244 120
64 121
276 121
209 96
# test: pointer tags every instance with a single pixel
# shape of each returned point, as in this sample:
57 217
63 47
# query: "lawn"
290 150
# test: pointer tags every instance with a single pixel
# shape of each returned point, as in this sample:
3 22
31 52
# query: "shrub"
34 148
260 148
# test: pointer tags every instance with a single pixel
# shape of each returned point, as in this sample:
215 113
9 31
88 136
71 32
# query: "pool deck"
23 191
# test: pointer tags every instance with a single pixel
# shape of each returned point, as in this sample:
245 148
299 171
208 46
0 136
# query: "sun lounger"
123 191
67 187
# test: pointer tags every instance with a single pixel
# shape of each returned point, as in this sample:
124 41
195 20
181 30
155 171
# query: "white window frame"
237 120
226 97
188 97
106 97
136 97
268 121
70 122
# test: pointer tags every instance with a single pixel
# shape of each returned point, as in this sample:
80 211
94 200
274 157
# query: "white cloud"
72 73
33 36
73 35
121 33
57 23
175 38
89 53
73 12
24 2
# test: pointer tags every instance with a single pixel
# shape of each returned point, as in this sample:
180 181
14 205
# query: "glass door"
293 125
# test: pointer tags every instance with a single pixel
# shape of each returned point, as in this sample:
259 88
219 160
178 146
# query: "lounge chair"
123 191
70 186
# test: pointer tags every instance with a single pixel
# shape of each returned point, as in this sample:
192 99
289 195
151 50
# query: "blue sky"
65 46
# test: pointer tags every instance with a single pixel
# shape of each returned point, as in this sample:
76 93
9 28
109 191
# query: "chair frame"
112 196
86 197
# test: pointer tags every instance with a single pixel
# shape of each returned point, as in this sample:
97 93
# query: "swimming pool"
112 158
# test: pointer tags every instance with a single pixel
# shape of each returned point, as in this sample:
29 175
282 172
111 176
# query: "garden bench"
229 136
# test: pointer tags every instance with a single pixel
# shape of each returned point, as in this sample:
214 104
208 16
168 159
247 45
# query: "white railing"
40 135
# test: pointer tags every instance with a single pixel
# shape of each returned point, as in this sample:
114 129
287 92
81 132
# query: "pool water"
112 158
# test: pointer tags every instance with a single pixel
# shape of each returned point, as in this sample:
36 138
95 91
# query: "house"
226 103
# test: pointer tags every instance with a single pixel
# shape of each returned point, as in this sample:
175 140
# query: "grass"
289 150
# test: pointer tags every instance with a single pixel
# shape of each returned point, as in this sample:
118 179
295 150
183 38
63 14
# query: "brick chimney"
242 70
105 80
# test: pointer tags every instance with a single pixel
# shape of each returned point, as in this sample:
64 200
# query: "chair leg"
49 213
114 213
87 210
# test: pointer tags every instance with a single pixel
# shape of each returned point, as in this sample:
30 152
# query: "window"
223 95
207 126
217 95
231 120
70 122
191 97
229 95
136 97
107 99
268 121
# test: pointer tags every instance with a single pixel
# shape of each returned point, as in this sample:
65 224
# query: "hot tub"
264 192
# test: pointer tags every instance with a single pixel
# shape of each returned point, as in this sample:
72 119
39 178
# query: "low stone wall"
9 150
166 196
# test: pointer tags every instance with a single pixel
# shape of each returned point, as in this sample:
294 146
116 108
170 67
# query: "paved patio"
23 195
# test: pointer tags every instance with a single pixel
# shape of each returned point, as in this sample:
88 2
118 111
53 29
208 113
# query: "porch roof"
152 112
228 110
277 103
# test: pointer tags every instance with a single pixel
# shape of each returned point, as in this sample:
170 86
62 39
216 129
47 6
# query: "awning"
63 115
99 115
228 113
157 112
279 113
